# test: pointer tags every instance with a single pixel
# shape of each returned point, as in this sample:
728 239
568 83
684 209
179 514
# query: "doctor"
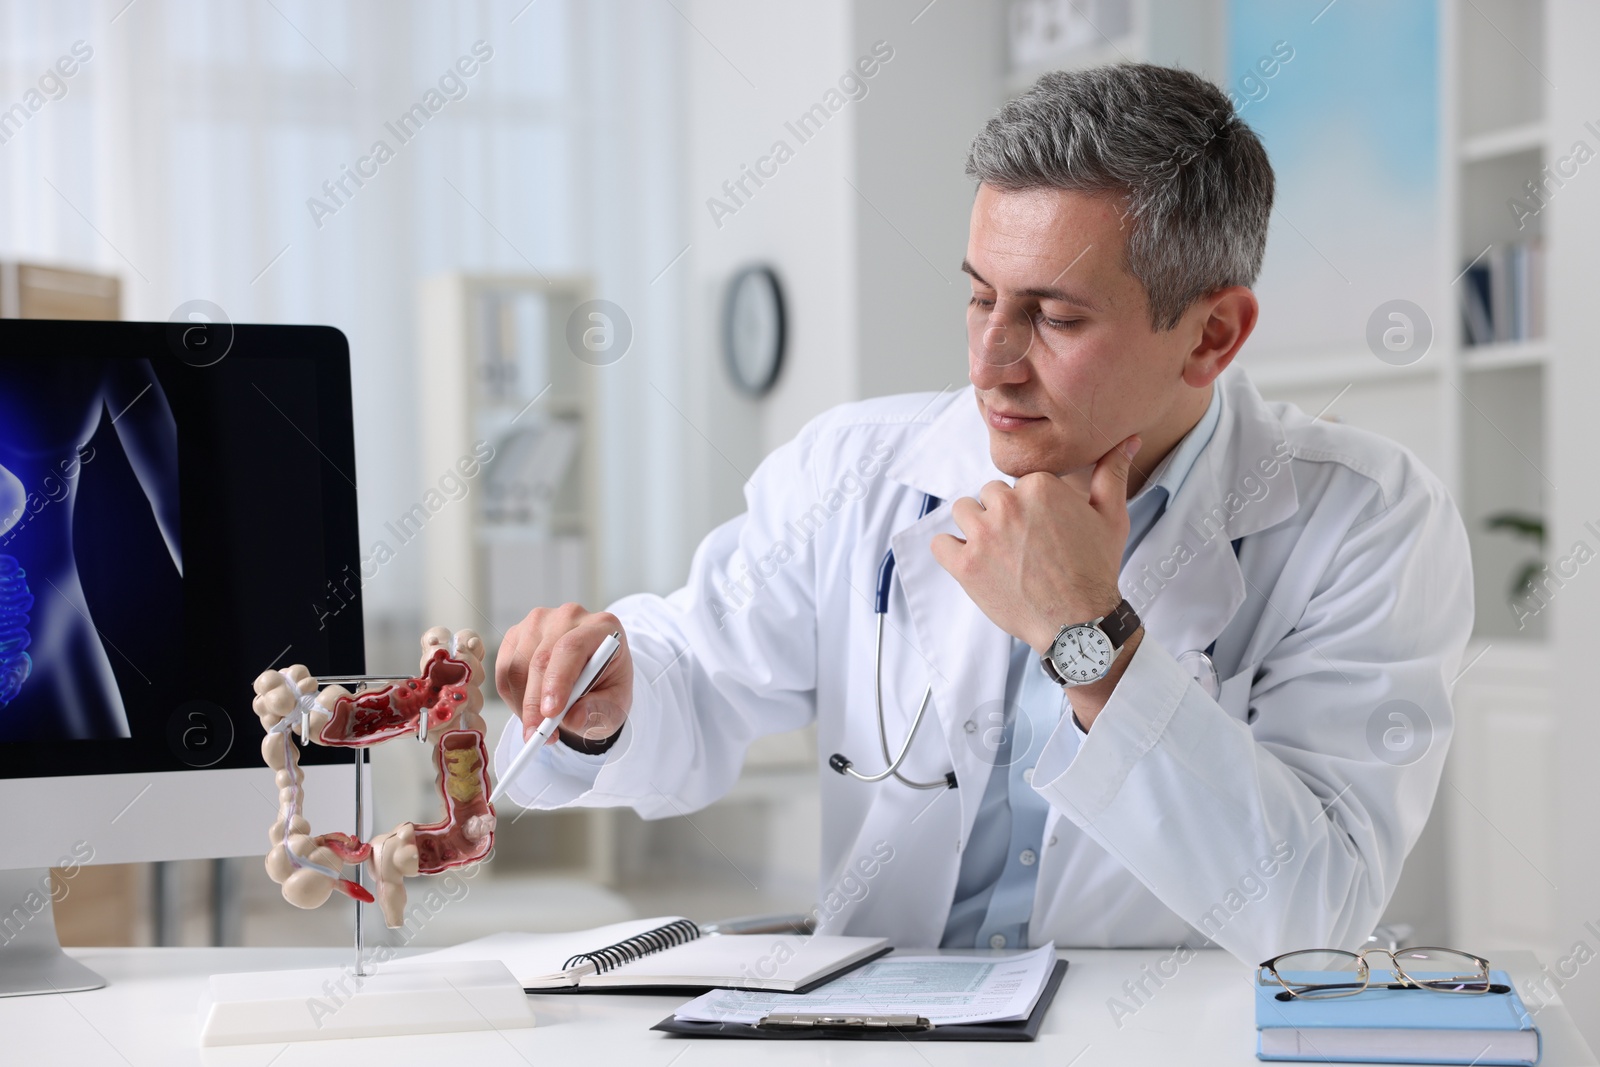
1186 655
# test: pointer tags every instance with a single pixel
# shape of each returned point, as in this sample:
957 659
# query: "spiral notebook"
665 954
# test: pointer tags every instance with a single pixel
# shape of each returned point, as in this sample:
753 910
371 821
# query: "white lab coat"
1265 821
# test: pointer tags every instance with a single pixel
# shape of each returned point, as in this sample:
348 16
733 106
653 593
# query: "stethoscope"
1199 665
880 607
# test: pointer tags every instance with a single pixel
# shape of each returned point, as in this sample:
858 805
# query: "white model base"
325 1002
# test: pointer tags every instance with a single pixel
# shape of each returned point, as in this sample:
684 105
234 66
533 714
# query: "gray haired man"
1183 655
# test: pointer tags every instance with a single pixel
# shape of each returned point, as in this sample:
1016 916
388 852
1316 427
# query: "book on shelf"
1502 294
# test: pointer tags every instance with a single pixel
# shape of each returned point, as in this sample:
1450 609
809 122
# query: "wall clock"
753 329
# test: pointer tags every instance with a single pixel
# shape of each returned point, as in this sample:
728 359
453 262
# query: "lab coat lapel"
1192 607
1184 578
967 656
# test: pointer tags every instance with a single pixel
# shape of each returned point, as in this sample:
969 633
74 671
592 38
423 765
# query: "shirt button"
970 726
1027 776
1053 839
997 941
1028 857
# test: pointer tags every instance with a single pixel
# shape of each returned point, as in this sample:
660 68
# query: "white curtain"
188 153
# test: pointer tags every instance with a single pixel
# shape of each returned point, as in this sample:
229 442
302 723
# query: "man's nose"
997 348
996 334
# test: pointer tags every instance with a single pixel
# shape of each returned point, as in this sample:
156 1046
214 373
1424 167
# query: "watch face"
1082 654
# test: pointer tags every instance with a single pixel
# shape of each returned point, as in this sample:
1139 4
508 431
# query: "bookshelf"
1499 803
1506 141
1531 353
39 291
1501 142
499 378
498 381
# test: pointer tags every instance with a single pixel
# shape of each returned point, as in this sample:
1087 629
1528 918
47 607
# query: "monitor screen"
172 523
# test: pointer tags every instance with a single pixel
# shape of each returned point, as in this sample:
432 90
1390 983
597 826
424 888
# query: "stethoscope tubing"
880 607
1198 663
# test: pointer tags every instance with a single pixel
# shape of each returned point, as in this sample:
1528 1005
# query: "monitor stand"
31 960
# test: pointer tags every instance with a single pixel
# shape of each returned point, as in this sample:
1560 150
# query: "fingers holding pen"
542 659
568 653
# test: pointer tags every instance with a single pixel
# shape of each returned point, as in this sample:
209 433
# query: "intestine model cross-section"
440 705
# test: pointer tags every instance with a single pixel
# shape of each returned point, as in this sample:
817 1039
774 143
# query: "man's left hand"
1043 554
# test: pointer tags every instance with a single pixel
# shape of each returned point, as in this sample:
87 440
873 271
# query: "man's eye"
981 301
1059 324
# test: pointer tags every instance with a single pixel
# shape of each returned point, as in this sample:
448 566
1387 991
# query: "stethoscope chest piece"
1202 670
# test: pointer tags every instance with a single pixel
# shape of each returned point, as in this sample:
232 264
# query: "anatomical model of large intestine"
441 703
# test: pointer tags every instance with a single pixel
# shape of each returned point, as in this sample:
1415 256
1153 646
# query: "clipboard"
890 1028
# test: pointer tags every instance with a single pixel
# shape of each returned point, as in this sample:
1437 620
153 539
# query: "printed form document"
943 989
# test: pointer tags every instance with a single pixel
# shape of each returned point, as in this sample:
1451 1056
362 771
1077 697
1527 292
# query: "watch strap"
1120 624
595 747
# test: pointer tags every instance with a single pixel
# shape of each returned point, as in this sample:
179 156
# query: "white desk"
1203 1016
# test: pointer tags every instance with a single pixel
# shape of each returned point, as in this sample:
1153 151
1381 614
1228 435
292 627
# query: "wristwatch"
1082 653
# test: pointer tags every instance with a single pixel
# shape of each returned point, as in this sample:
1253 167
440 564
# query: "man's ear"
1227 318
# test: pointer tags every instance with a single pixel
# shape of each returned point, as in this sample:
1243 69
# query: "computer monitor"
177 514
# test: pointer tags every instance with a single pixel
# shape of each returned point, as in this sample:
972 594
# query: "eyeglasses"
1321 974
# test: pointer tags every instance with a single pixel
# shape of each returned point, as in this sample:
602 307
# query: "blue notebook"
1397 1026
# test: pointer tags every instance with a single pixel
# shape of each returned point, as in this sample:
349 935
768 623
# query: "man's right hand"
540 660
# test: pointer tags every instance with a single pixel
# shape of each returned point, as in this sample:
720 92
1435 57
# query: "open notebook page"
749 961
538 960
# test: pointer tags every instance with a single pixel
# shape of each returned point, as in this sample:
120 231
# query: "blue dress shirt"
1000 866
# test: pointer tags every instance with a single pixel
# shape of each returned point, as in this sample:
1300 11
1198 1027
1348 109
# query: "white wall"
629 160
753 67
945 81
1574 264
865 224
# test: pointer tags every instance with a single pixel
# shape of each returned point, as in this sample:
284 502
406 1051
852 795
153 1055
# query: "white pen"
591 672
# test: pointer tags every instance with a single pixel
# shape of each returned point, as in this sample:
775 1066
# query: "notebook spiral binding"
662 937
